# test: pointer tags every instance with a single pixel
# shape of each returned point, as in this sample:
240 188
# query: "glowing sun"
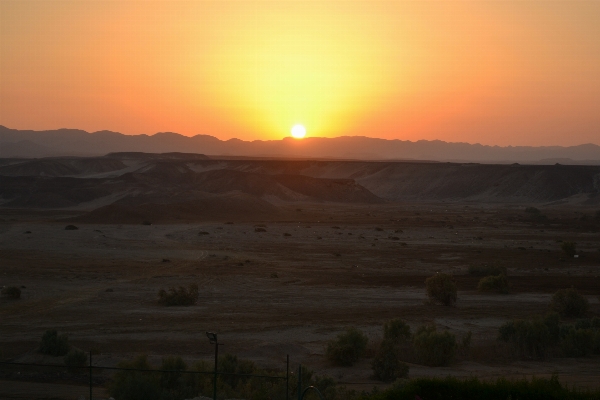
298 131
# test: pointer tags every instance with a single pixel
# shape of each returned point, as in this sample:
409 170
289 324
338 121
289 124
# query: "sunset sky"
490 72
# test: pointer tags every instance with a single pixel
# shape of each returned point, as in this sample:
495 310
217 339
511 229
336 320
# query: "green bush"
347 348
569 303
135 385
498 283
486 270
396 330
75 360
434 348
386 365
474 389
530 338
441 288
179 297
570 248
577 342
54 344
11 292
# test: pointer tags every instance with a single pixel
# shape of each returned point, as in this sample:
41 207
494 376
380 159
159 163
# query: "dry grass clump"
441 288
498 283
179 297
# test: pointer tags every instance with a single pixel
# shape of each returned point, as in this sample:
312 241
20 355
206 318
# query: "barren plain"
341 245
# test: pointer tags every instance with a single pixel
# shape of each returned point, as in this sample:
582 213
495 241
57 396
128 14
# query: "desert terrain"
287 254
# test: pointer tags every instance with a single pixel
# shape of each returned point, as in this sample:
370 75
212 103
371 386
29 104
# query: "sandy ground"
269 294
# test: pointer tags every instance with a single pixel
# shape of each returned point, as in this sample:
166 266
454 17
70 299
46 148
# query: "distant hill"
69 142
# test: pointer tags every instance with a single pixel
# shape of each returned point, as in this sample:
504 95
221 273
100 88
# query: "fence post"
299 381
287 378
90 375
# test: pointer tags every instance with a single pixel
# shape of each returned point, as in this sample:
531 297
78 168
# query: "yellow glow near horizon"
298 131
296 62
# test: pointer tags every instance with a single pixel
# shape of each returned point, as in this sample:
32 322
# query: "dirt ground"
292 288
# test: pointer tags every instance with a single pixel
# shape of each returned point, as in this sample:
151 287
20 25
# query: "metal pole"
287 378
216 360
90 375
299 381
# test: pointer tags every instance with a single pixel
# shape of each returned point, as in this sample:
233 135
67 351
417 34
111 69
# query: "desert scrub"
396 330
386 365
347 347
441 288
570 248
498 283
486 270
569 303
54 344
531 338
179 297
135 385
75 360
472 388
11 292
434 348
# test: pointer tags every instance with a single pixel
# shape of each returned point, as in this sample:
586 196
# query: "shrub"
11 292
75 360
577 342
54 344
434 348
498 283
179 297
530 338
396 330
441 288
569 303
386 365
135 385
347 348
473 388
570 248
486 270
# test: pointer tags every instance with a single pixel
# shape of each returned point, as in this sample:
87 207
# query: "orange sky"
504 72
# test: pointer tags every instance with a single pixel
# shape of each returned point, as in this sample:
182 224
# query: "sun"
298 131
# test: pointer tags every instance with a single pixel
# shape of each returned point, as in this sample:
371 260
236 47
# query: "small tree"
569 303
386 365
498 283
347 348
570 248
441 288
434 348
54 344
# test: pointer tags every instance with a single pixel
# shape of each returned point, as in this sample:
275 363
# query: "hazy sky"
491 72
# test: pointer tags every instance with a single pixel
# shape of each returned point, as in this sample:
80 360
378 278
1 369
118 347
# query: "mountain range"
74 142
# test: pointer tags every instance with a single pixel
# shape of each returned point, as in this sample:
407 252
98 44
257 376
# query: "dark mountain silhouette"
61 142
